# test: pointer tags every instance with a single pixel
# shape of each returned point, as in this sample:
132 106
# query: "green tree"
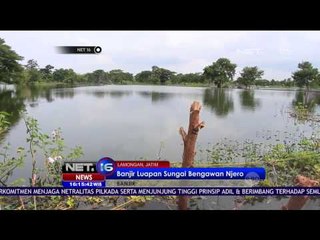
118 76
65 75
188 78
34 76
47 72
287 82
144 77
32 73
262 82
48 69
10 69
98 76
162 74
58 75
305 75
32 64
249 75
220 72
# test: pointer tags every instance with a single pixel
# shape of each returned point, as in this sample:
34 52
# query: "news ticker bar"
162 191
79 49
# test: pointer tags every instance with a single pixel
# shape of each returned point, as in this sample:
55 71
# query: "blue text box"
190 173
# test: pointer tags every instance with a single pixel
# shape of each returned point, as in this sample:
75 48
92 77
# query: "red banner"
82 177
142 164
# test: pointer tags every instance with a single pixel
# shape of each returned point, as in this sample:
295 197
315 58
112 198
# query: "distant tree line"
220 73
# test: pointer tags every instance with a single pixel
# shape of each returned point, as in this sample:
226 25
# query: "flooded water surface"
142 122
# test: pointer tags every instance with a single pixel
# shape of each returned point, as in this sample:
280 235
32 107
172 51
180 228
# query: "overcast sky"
276 52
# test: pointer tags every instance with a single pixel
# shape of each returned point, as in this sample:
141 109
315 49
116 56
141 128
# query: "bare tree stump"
189 142
297 202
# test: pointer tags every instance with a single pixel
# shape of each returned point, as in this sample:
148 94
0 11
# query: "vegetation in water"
46 153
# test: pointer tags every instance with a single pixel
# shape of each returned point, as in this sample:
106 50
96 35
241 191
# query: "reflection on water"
160 96
41 102
33 93
309 100
98 94
105 93
12 104
219 101
119 94
64 93
156 96
248 100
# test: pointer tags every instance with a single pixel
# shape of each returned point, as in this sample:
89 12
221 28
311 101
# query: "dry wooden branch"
183 134
189 142
21 202
297 202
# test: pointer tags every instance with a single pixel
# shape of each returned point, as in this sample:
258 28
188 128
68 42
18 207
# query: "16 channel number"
106 166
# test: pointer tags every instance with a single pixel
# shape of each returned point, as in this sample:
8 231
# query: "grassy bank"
54 84
83 84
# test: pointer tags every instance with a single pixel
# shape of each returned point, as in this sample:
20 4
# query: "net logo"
106 166
79 167
82 175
